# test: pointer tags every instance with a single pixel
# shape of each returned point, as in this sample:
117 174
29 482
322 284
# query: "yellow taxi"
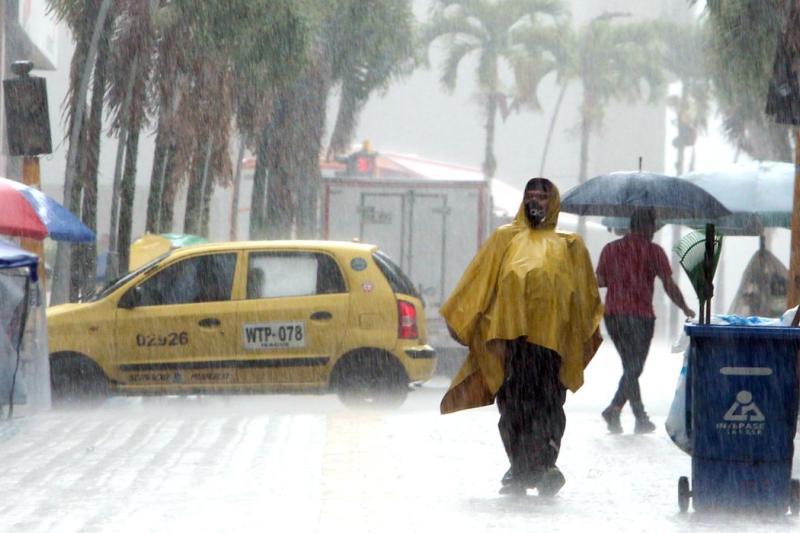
247 316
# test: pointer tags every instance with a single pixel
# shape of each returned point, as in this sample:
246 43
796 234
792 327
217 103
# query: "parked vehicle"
247 316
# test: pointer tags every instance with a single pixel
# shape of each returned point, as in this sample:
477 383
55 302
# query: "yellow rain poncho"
524 282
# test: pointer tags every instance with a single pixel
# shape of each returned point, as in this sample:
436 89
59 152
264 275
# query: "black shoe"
551 482
611 416
513 489
644 425
508 477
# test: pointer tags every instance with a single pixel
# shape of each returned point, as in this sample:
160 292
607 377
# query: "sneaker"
644 425
551 482
611 416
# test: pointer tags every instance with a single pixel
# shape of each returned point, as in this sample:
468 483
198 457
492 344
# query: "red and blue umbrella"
28 212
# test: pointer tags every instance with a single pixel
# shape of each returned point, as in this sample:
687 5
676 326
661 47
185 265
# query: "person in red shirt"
628 268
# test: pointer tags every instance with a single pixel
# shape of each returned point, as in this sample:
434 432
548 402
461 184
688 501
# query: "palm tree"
358 46
90 22
84 256
369 58
239 53
494 32
128 99
612 61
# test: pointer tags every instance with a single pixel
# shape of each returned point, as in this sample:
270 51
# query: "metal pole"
32 177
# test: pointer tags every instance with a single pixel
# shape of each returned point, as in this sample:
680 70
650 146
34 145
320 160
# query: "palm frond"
454 54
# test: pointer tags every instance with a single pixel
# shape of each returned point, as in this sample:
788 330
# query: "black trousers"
632 336
531 404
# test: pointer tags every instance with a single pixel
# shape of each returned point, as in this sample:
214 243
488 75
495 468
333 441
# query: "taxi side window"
207 278
284 274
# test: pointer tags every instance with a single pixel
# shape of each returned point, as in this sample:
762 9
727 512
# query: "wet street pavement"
306 463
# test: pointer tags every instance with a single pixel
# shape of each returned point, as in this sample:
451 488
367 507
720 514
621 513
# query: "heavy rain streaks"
250 252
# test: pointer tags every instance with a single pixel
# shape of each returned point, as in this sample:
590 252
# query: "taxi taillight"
406 320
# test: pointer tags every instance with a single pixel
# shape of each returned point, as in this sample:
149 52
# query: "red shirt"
629 267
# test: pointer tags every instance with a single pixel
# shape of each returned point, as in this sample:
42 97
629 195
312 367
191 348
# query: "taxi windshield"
118 282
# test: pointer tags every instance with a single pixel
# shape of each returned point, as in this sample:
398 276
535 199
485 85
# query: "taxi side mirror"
131 299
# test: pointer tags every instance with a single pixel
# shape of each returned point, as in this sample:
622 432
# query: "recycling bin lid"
726 331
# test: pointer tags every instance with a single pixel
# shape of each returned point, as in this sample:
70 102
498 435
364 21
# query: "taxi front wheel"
370 378
76 379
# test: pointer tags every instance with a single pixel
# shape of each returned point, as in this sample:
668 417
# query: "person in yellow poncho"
528 308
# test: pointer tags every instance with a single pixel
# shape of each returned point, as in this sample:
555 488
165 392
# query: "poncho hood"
535 283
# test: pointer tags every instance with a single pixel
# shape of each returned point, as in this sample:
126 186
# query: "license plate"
270 335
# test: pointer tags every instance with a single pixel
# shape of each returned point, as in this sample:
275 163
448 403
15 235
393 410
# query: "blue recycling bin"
742 407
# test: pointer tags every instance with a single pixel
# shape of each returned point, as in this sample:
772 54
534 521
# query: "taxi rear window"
397 279
286 274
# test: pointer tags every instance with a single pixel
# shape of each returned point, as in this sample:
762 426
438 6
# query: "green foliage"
369 41
368 45
265 39
743 38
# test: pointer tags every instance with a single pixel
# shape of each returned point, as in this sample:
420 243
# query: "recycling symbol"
744 409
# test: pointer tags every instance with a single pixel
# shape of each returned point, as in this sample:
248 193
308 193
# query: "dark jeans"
531 404
631 336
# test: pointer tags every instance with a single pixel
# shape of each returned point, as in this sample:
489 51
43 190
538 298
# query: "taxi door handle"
321 315
209 323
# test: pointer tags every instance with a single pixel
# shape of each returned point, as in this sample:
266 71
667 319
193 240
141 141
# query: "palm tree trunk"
75 258
258 196
489 161
586 130
163 172
113 264
87 253
194 192
207 189
205 208
313 103
583 171
127 197
60 291
346 119
167 212
157 179
282 140
237 181
552 126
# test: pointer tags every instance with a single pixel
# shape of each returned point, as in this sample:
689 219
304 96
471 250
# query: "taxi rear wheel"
370 378
75 378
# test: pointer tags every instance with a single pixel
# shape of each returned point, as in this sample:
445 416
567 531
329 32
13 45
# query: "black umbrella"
619 194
